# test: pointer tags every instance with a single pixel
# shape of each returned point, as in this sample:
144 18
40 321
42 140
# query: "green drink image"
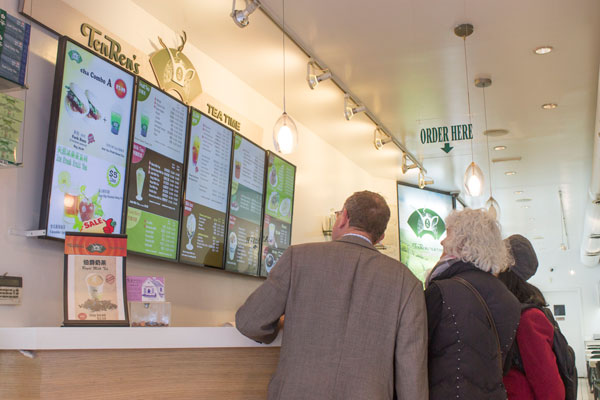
115 121
144 120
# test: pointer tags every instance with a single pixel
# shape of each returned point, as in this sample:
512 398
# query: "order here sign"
443 134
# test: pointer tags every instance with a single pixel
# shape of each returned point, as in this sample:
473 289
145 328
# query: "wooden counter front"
192 373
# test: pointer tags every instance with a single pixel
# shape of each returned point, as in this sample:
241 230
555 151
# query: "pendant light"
285 134
473 179
492 205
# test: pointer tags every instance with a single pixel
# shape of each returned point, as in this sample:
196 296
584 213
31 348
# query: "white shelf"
72 338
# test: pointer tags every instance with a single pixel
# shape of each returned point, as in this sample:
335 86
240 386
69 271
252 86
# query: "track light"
405 166
312 69
424 181
351 108
240 17
380 138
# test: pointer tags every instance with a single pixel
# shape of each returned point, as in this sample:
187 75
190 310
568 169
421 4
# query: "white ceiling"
402 60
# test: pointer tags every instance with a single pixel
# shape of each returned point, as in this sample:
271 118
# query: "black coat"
463 351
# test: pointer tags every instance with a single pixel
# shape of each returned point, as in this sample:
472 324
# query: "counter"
124 338
134 363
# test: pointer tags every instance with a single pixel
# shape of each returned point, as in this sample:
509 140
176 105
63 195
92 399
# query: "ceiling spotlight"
549 106
500 148
380 138
495 132
543 50
240 17
405 166
424 181
315 74
351 108
510 173
518 192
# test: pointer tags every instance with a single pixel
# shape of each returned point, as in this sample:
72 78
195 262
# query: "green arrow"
447 148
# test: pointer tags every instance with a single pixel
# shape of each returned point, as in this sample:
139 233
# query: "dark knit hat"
526 261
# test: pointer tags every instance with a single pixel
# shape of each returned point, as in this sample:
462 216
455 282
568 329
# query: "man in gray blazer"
355 319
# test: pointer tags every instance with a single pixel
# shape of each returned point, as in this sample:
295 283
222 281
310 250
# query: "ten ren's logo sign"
110 50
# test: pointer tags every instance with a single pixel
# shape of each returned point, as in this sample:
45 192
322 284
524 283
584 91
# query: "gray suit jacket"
355 324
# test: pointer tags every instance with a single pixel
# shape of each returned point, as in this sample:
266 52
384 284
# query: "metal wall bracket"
31 233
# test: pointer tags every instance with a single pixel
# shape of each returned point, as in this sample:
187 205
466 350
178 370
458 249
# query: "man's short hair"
368 212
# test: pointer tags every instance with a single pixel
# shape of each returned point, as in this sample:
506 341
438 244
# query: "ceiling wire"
487 141
468 93
283 45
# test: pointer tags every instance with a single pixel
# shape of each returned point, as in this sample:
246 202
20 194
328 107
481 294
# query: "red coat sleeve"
535 336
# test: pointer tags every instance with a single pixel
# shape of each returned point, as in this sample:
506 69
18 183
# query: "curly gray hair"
476 238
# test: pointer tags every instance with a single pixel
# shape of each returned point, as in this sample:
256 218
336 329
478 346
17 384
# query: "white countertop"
72 338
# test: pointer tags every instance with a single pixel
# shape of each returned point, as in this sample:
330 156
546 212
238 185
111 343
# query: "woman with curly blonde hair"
472 316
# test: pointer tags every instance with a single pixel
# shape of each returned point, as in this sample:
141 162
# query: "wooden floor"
583 392
205 374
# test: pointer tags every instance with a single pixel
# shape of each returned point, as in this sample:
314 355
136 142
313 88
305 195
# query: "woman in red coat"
537 378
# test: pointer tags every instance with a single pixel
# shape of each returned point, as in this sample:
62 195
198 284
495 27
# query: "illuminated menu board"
87 155
245 207
207 187
421 216
155 173
279 203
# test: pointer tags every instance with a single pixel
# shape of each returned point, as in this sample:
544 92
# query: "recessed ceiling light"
518 192
504 159
495 132
549 106
531 219
524 206
510 173
500 148
543 50
572 272
525 200
538 237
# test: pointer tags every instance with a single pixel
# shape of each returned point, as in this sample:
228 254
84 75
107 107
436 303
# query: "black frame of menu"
262 209
269 153
184 163
189 134
53 132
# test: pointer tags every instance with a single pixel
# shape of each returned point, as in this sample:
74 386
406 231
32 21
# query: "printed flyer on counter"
421 215
155 176
207 184
91 145
94 279
279 203
245 207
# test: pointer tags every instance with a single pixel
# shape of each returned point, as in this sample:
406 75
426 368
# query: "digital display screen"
245 207
206 192
279 204
88 155
421 216
156 173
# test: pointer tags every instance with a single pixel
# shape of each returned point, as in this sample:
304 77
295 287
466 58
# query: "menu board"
155 173
279 202
87 156
206 192
421 215
245 207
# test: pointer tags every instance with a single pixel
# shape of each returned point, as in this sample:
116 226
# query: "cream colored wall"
200 297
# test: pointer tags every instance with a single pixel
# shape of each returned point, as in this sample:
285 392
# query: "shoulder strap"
487 312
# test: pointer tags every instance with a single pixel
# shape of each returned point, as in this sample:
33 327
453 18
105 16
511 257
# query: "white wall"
200 297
